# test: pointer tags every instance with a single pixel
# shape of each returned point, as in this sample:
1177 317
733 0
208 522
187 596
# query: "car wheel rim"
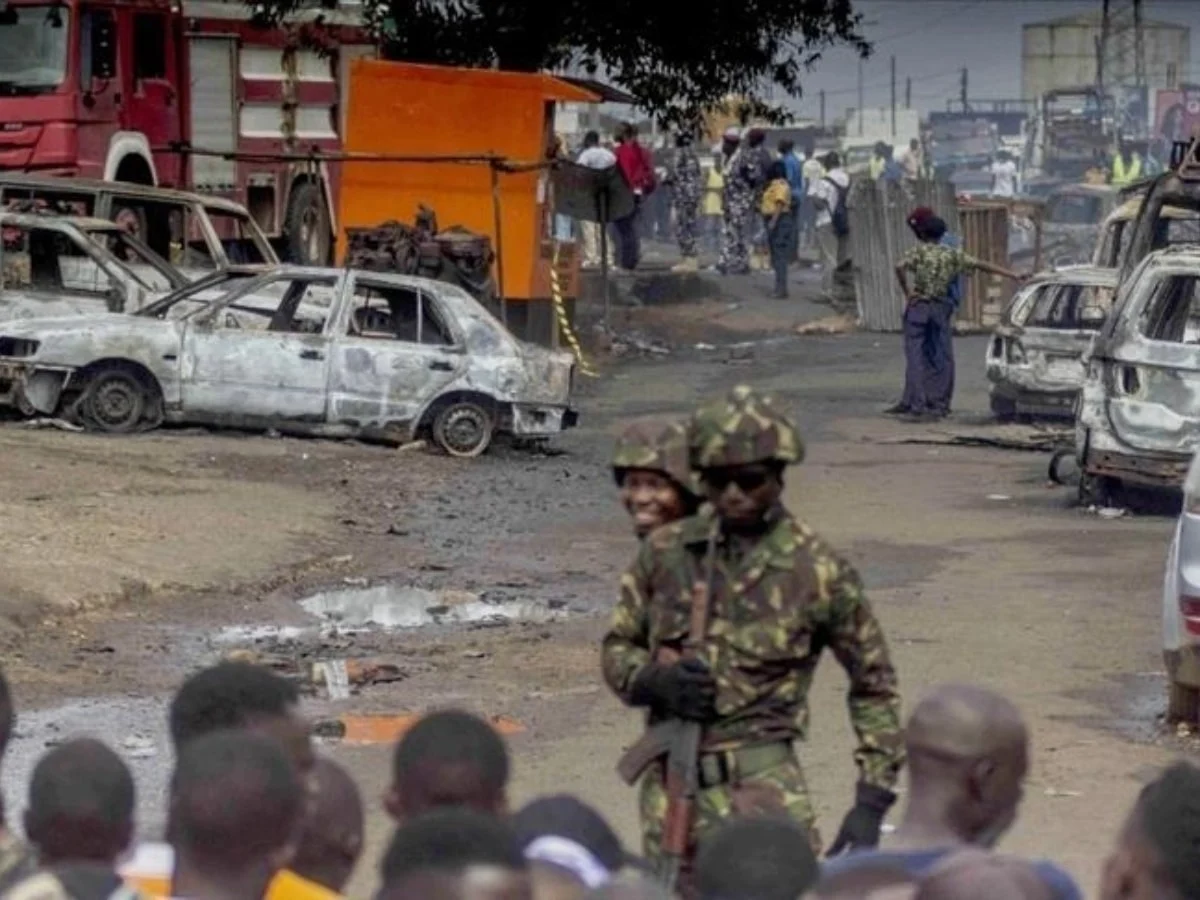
116 404
465 429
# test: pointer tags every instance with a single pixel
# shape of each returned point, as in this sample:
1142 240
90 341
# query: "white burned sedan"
327 352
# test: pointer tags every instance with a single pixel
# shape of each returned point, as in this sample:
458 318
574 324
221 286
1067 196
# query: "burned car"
60 265
1139 412
197 233
1071 221
326 352
1035 357
1175 225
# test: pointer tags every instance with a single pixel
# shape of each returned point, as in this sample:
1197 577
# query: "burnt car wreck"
325 352
1035 357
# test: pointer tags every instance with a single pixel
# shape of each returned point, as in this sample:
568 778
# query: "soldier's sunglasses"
745 479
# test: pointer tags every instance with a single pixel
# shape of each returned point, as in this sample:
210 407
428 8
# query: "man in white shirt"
593 156
1004 175
828 194
911 161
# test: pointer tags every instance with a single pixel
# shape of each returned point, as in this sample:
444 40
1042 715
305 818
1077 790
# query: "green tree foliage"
678 58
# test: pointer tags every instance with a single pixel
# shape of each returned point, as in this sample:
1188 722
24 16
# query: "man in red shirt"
637 166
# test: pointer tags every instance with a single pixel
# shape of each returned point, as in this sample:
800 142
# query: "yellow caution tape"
560 313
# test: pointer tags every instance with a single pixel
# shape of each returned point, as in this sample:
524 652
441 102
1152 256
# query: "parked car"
1176 226
1139 419
329 352
196 233
1035 357
1071 221
62 265
1181 606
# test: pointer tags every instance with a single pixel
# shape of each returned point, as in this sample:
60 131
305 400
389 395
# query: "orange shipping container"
415 110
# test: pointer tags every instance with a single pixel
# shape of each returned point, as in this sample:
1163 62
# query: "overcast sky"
933 39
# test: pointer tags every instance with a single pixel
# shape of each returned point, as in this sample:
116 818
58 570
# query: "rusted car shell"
1035 358
1139 411
331 382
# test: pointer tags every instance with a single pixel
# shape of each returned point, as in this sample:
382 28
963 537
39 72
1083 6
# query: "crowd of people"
720 624
254 812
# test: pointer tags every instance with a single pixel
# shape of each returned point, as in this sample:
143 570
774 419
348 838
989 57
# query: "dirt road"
130 562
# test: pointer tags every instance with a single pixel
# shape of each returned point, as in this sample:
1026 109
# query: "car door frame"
290 396
384 385
1142 367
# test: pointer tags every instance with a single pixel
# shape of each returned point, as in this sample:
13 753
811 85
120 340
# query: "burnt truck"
1075 129
1138 419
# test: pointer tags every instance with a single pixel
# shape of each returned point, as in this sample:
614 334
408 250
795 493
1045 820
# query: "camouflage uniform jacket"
772 613
687 175
934 269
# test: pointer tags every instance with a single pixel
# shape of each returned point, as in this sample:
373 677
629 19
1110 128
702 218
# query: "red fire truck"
114 89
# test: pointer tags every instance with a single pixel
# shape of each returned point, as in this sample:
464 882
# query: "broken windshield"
33 48
199 295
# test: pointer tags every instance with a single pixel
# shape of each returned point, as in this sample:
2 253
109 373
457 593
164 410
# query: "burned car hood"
95 325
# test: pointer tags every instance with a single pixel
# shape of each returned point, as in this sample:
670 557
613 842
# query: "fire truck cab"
188 95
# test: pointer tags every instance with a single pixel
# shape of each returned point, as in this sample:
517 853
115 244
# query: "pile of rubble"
457 255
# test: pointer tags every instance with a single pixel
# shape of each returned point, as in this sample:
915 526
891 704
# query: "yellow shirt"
712 192
149 871
777 197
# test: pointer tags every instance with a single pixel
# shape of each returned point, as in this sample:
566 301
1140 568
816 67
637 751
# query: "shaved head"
964 721
333 833
976 875
968 755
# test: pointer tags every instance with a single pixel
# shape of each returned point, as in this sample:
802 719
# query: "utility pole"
908 92
860 96
893 98
963 90
822 109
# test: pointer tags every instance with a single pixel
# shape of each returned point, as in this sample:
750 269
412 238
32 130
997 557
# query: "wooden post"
496 222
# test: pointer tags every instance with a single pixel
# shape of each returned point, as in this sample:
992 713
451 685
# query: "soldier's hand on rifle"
860 829
686 690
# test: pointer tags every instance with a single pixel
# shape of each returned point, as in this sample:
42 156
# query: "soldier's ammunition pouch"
731 766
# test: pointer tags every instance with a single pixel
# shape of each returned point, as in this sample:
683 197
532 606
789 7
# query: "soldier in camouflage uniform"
745 177
687 182
650 464
779 596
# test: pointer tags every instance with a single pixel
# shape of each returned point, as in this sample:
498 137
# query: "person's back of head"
81 802
591 139
755 137
239 695
766 858
236 809
786 147
967 748
333 830
832 161
448 758
1158 850
776 171
569 846
456 854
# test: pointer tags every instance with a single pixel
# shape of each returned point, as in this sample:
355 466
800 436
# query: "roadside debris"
1109 512
843 323
1030 438
628 343
387 729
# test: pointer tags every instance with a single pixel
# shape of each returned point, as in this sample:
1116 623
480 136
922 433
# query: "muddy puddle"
394 606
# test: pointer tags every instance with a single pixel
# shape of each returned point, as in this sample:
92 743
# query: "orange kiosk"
471 144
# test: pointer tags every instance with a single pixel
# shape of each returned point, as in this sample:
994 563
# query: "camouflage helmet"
743 427
659 445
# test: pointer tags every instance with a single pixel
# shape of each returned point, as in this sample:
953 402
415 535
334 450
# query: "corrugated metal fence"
879 236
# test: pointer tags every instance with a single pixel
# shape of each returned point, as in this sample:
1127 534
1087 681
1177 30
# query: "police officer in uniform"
779 596
686 180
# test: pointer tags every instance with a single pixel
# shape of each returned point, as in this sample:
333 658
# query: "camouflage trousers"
687 218
736 233
780 789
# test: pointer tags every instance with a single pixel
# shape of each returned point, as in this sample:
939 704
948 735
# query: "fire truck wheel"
306 229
